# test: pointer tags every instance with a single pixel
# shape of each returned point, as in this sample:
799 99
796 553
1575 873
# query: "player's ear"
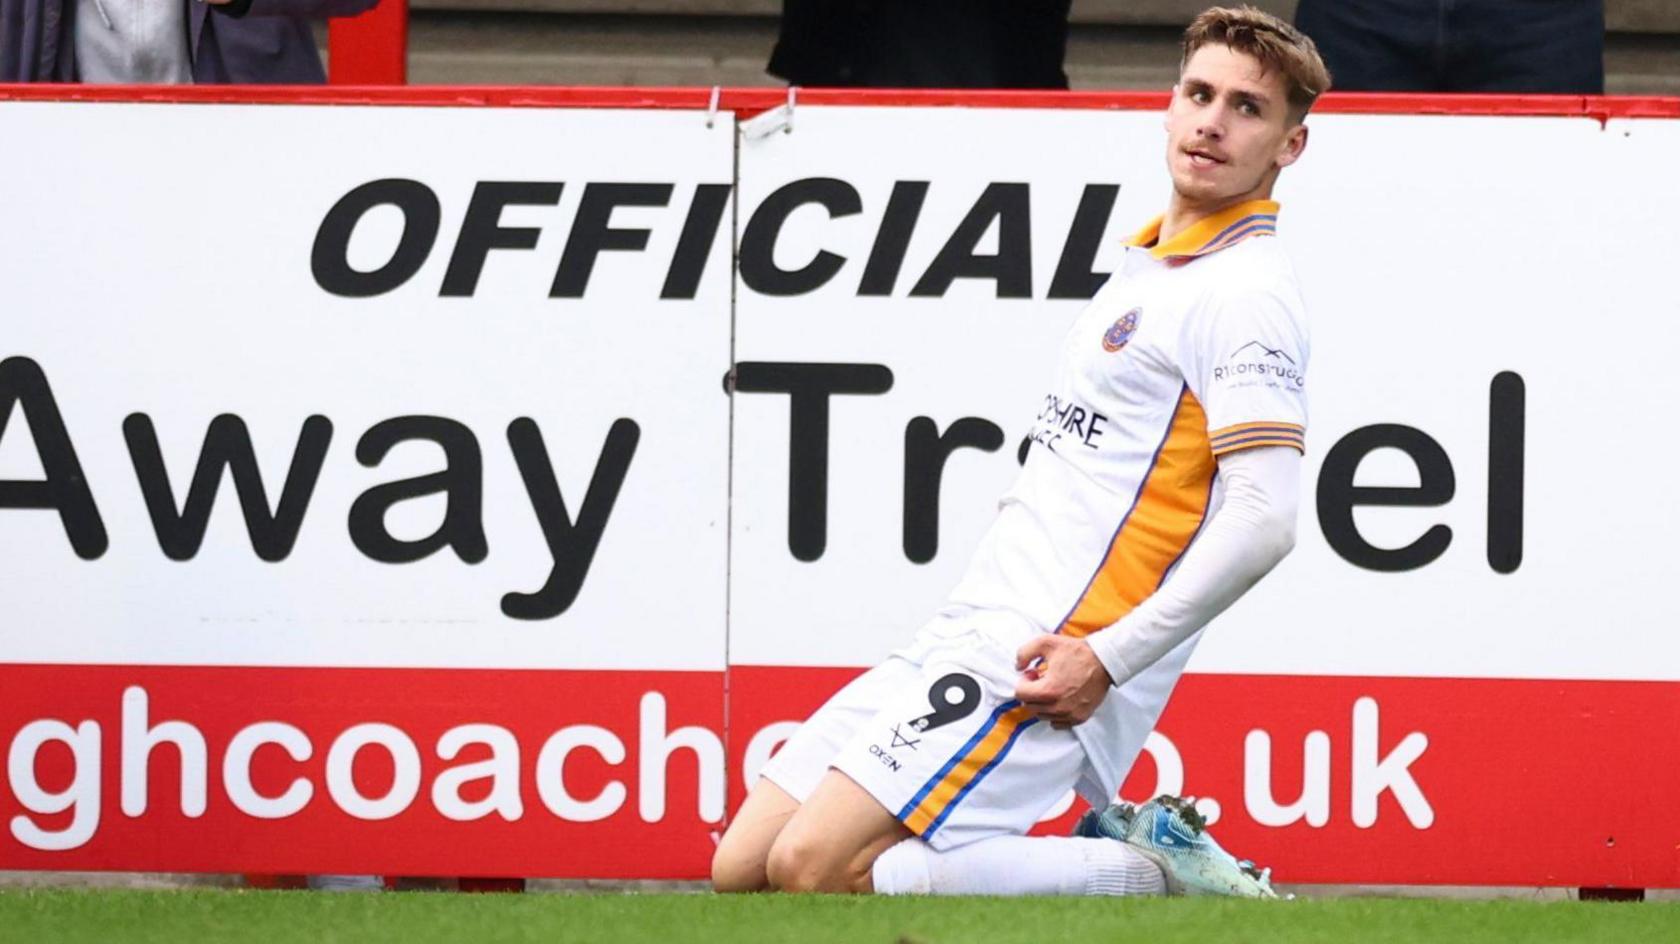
1166 116
1294 143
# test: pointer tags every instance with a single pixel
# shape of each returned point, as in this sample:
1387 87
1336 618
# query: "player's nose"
1212 124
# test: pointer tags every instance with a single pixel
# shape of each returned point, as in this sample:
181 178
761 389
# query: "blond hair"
1275 44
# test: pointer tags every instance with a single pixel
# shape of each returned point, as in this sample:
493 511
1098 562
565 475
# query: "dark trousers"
1007 44
1517 46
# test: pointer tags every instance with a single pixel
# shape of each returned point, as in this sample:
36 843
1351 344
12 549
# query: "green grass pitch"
51 915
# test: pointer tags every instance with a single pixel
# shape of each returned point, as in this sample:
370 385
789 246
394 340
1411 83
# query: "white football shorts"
936 736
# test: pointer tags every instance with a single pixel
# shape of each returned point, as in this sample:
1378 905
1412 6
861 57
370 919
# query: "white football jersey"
1194 348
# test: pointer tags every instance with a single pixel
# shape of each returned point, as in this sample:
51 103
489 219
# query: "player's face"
1229 129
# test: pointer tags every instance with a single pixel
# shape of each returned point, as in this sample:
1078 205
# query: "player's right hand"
1062 681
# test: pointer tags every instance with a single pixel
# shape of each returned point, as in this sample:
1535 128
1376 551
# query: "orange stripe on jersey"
1164 518
944 794
1242 436
1232 430
1256 442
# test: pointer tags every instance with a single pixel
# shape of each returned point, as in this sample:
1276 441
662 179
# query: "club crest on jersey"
1121 331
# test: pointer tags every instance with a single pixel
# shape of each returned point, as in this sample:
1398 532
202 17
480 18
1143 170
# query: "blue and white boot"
1172 834
1110 823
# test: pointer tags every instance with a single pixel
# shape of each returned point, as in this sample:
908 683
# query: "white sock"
1018 865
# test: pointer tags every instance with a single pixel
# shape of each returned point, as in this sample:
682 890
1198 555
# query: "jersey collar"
1228 227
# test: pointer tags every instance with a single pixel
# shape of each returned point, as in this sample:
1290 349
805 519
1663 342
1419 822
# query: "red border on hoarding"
753 100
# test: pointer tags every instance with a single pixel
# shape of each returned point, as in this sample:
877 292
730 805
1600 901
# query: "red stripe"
371 48
750 101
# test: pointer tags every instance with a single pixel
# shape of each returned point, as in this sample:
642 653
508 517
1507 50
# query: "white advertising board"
319 272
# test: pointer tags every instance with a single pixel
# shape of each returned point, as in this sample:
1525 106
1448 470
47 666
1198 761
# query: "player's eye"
1249 108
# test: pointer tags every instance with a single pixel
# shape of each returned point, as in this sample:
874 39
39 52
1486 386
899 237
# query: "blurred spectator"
36 44
266 42
131 41
1016 44
165 41
1518 46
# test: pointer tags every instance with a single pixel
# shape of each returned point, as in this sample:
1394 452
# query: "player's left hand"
1062 681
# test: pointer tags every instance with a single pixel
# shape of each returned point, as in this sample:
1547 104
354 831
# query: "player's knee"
795 865
799 864
733 872
782 865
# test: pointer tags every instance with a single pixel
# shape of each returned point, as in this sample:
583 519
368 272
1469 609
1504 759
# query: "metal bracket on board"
776 119
712 106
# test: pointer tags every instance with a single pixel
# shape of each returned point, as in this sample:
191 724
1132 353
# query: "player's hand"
1062 681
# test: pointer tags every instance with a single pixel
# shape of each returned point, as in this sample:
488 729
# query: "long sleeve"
1250 532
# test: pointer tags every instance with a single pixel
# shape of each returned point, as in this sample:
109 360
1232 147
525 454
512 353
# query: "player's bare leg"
833 840
740 862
